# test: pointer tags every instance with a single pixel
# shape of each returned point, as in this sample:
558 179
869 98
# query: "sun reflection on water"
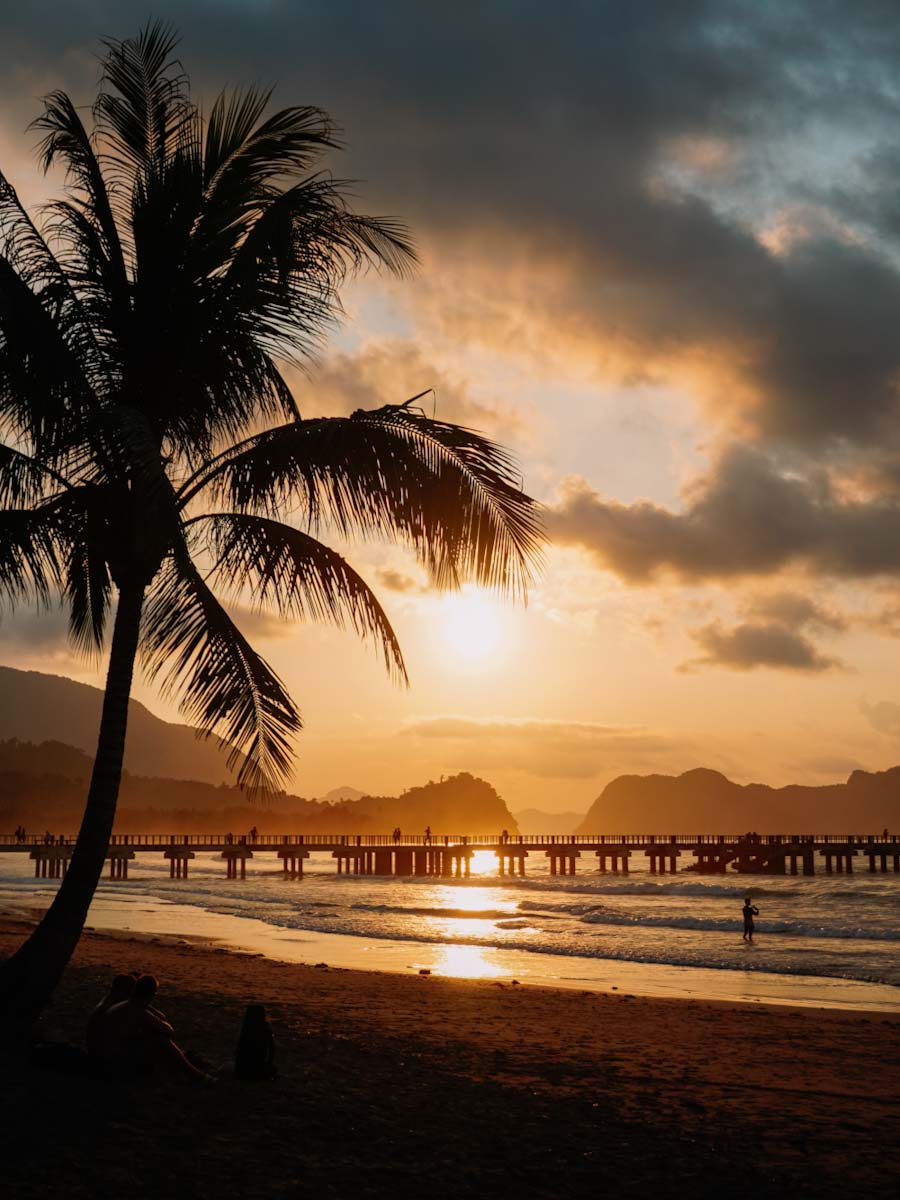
474 899
464 962
483 862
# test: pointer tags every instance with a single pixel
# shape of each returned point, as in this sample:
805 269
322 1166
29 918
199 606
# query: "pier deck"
448 855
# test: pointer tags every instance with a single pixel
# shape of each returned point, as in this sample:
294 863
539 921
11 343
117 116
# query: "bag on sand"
255 1056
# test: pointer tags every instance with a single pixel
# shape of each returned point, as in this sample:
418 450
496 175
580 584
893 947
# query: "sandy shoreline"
150 915
399 1085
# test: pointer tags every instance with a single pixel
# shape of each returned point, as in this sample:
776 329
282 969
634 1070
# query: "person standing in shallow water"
750 911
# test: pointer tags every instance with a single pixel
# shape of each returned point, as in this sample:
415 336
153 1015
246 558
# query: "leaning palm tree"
155 464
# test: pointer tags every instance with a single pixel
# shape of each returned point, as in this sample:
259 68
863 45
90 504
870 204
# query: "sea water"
821 939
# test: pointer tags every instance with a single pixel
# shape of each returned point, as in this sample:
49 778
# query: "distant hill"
704 801
44 786
534 820
342 793
41 708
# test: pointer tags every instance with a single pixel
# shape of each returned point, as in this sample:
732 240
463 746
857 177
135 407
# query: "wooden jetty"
450 857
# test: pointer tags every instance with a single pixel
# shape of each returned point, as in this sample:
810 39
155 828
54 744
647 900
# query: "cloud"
748 646
390 372
256 623
775 635
661 188
614 172
745 517
546 748
884 716
396 581
35 631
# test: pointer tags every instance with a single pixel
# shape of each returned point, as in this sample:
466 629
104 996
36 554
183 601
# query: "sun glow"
472 627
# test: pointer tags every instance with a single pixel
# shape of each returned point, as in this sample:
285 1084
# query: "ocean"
826 940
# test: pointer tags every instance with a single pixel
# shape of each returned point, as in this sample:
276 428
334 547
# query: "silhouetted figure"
397 835
121 989
255 1056
504 837
427 835
254 834
48 838
138 1039
750 911
884 835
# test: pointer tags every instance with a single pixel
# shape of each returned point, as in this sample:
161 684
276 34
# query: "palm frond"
89 593
66 138
144 114
241 156
288 269
30 559
297 576
448 492
25 480
41 310
222 684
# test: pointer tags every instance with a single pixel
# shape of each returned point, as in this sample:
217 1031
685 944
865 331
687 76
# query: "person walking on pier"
427 835
750 911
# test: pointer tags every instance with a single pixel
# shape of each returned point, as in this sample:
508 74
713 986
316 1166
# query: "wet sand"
411 1086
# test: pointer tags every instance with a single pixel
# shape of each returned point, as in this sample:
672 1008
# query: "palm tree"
155 461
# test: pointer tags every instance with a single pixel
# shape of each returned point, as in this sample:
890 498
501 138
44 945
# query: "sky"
660 252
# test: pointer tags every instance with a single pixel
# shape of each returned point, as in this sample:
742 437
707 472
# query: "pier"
448 856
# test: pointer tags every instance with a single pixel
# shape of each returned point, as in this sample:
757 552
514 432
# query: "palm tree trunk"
29 977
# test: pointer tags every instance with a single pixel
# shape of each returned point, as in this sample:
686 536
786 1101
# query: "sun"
471 626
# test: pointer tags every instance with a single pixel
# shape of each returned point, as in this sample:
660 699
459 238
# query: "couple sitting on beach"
127 1037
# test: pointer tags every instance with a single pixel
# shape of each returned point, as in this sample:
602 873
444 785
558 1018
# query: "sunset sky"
660 260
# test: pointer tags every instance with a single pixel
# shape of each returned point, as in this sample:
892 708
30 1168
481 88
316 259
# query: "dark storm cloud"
543 133
745 518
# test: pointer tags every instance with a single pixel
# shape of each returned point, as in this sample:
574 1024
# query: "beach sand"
418 1086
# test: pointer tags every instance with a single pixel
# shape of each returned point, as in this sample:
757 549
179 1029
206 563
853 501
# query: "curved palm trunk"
28 978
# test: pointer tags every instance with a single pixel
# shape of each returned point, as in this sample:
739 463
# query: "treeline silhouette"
42 786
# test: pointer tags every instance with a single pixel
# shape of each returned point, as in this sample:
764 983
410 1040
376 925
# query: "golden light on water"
483 862
464 962
474 899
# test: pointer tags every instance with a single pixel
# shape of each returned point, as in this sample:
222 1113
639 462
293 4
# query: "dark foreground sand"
402 1087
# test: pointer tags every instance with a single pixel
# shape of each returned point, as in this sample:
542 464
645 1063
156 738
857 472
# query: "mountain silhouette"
705 801
39 708
342 793
45 785
535 820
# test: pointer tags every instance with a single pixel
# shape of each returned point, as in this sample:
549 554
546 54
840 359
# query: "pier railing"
491 840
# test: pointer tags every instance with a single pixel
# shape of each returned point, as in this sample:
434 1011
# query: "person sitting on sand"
95 1035
138 1039
750 911
255 1056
